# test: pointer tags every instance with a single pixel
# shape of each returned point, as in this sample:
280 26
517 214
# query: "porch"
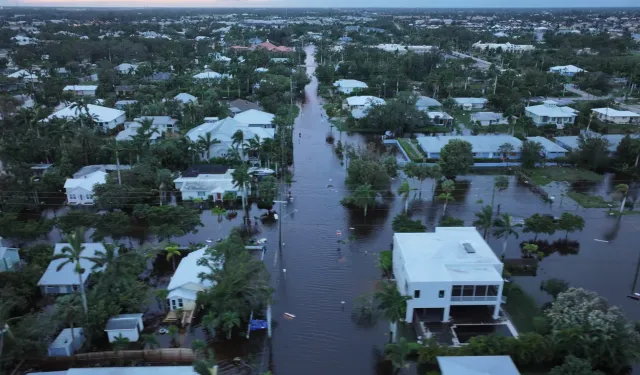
185 317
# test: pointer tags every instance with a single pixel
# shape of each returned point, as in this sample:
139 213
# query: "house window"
51 289
493 290
201 193
481 290
89 196
441 294
467 290
180 303
416 294
72 196
456 291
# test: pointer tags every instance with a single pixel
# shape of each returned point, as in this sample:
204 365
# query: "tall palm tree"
622 189
229 320
172 252
104 259
484 220
241 177
116 148
72 254
393 305
238 140
209 322
447 194
207 365
253 145
504 229
404 191
206 142
364 196
81 107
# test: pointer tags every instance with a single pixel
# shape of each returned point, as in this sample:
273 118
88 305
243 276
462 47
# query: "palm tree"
72 254
81 107
69 310
210 322
161 296
172 252
103 259
238 140
218 211
447 189
484 220
393 305
404 190
253 145
116 148
206 142
397 354
228 320
173 332
241 177
364 196
622 189
207 365
150 340
120 343
504 229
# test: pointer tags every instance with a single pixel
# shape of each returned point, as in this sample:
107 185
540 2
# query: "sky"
331 3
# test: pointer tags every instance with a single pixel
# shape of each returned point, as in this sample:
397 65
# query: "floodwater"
313 275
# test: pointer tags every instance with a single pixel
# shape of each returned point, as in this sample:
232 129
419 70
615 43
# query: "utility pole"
495 84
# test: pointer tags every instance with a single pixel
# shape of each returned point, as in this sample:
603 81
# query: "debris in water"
597 240
289 316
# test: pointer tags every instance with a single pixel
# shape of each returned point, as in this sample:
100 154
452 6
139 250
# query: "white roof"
477 365
101 114
254 117
550 109
571 141
486 116
425 101
80 88
23 74
441 256
365 100
610 112
350 83
67 274
224 129
65 337
479 143
87 181
548 145
443 115
140 370
185 98
566 68
125 67
470 100
188 271
211 75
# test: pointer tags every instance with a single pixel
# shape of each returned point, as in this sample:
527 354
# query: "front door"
218 196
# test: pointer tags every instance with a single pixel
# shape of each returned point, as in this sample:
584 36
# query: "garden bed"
411 150
544 176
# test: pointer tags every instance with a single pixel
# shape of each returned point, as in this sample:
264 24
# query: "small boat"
635 296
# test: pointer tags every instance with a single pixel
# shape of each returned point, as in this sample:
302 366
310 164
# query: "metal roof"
478 365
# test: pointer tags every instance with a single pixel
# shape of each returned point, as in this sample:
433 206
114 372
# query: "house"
566 70
256 118
107 168
349 86
131 130
261 70
223 130
107 118
80 190
66 280
279 60
211 76
447 268
550 113
425 103
616 116
482 146
125 89
207 181
84 90
488 118
128 326
273 48
440 118
123 104
161 124
351 28
159 77
67 342
255 41
9 258
241 105
185 282
25 76
571 142
504 47
185 98
361 102
477 365
126 68
470 103
551 150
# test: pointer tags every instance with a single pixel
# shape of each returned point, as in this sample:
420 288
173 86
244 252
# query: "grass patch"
411 150
544 176
588 201
521 307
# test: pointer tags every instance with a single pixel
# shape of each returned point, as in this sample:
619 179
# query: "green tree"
68 309
531 154
173 252
116 225
166 222
392 304
450 221
241 178
150 341
421 172
539 224
74 219
397 354
404 191
554 287
72 254
229 320
569 222
456 158
592 152
622 190
268 190
504 228
447 187
206 142
574 366
484 220
363 197
505 149
403 224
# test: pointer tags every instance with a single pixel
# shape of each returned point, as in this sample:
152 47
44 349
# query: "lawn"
588 201
544 176
411 150
521 307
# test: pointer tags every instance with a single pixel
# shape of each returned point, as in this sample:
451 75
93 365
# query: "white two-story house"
80 190
550 113
450 267
185 282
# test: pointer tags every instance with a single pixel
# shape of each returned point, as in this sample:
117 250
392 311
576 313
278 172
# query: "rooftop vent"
468 248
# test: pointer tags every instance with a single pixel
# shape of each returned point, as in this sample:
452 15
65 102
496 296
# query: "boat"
635 296
261 171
